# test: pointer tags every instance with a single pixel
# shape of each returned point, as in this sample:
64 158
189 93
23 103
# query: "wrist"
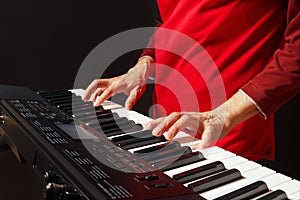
238 109
145 67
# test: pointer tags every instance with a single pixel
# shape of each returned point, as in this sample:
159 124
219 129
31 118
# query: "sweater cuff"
261 112
146 57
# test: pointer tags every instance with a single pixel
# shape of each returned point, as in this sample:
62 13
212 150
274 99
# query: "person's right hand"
133 84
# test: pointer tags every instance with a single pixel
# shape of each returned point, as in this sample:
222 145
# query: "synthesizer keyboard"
84 152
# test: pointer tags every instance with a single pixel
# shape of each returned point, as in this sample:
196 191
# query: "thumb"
133 97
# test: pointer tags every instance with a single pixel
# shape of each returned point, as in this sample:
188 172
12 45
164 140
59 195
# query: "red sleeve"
280 80
150 49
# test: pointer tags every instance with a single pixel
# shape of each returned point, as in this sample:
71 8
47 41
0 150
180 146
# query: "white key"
246 166
211 150
232 161
219 156
78 92
295 195
289 187
273 181
249 177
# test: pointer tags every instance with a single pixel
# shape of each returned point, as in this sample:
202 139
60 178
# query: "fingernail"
146 125
155 131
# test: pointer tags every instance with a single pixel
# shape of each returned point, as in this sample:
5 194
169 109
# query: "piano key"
221 155
211 150
89 113
166 154
215 180
140 134
199 172
233 161
248 178
129 144
96 122
99 115
64 98
86 106
289 187
246 192
275 180
125 126
168 145
147 146
58 95
179 162
64 91
295 195
122 121
274 195
76 105
215 155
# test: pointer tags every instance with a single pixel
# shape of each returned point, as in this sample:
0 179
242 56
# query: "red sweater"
240 38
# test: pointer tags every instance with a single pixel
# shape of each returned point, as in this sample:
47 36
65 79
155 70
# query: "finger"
134 97
166 124
152 124
96 94
206 139
105 95
179 125
90 90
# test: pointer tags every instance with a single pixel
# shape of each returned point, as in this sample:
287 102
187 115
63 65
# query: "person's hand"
209 126
132 84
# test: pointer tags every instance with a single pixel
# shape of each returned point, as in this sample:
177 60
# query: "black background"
43 43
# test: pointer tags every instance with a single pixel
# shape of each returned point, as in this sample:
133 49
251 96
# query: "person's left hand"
209 126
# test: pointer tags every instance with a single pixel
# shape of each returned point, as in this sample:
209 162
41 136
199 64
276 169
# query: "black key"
60 99
57 95
85 108
96 115
142 142
166 154
59 102
275 195
181 161
43 93
95 123
138 139
123 126
250 191
118 122
124 130
75 104
169 145
200 172
83 113
215 180
110 134
142 134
